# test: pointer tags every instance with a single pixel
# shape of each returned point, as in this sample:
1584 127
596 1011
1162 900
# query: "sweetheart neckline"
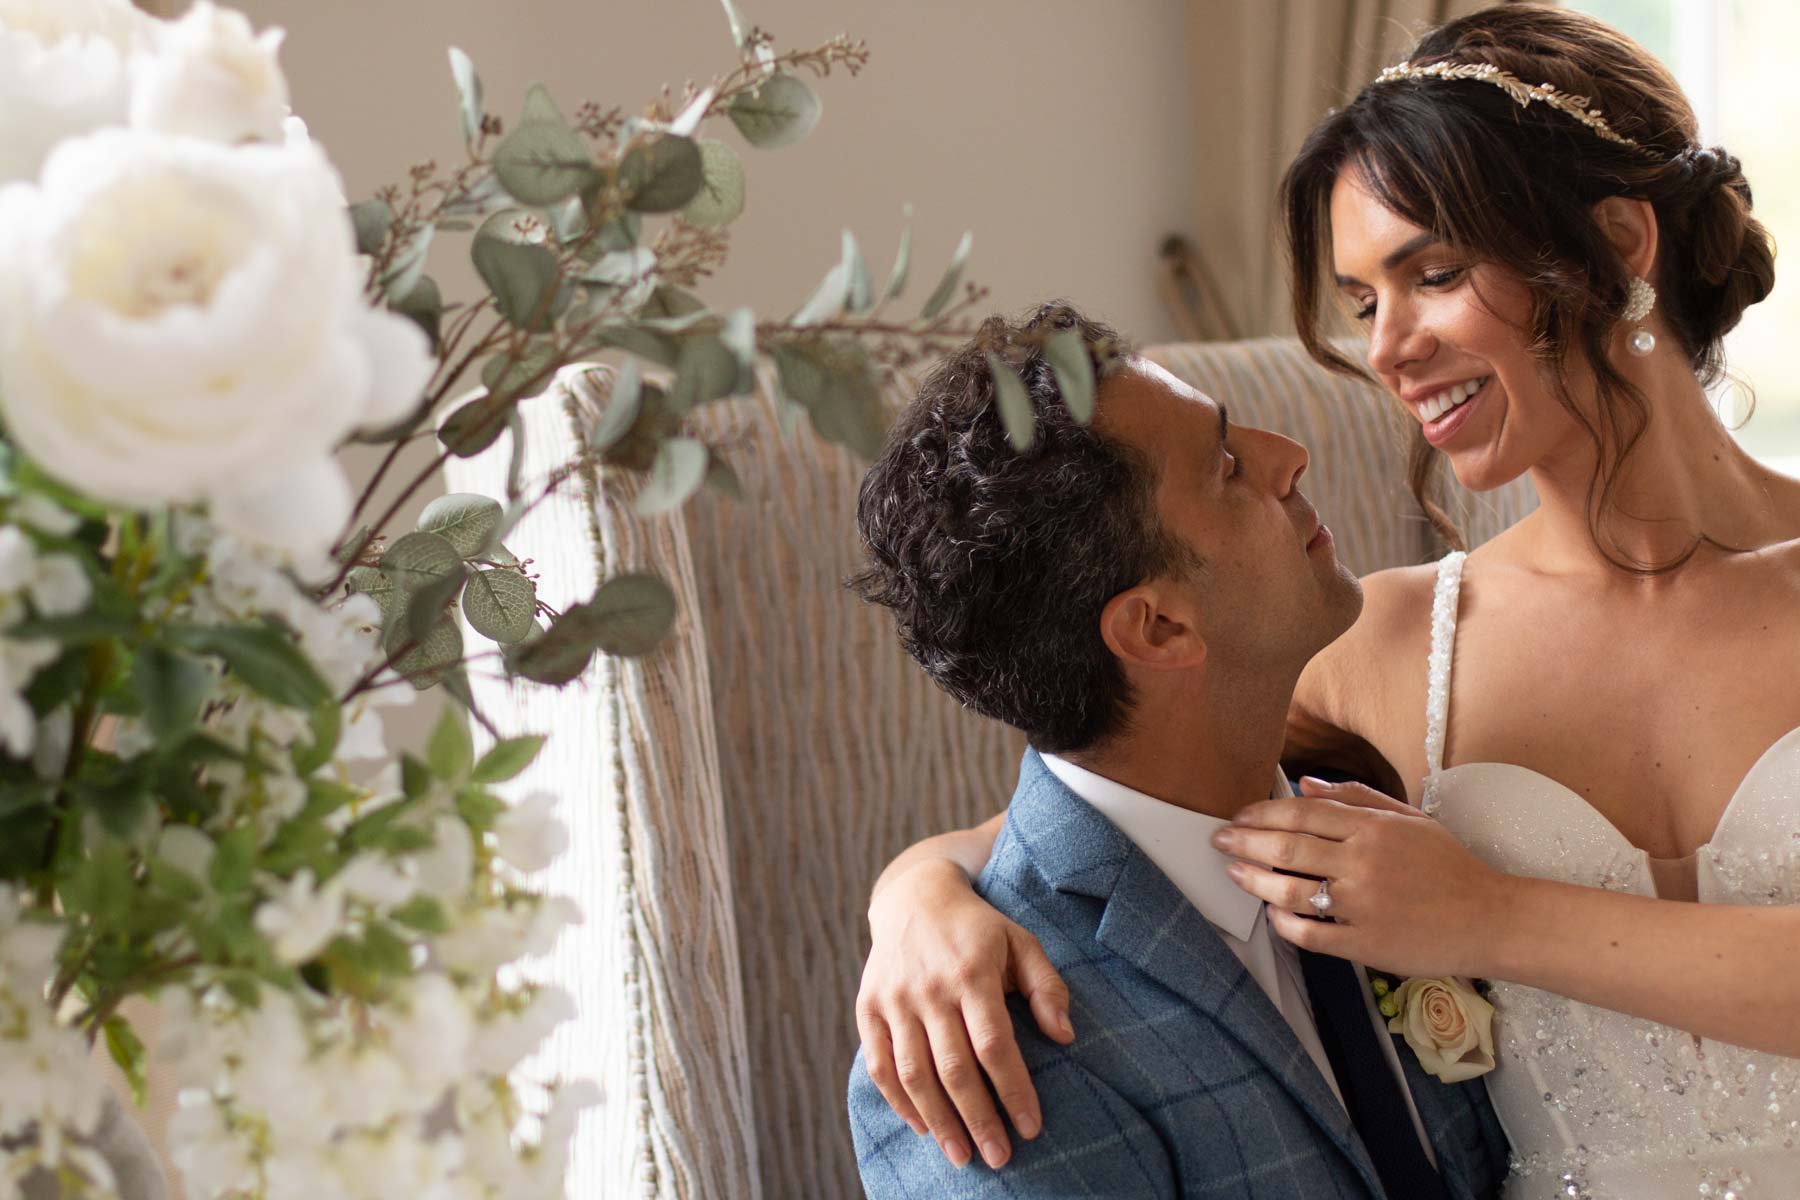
1718 827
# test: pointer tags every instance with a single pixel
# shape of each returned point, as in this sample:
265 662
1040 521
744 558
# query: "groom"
1138 597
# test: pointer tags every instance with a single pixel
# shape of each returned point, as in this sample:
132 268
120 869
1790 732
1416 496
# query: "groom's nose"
1281 461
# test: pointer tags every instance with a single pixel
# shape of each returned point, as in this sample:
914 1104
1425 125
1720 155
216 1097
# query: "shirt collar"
1178 840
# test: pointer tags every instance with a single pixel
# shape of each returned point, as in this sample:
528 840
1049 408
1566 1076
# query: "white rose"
64 70
212 76
182 321
1448 1024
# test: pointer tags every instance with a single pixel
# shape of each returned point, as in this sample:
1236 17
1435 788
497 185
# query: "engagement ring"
1321 899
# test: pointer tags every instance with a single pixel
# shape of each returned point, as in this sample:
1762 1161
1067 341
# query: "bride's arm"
1409 898
932 1006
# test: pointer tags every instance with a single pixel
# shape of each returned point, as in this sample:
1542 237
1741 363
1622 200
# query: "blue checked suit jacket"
1183 1080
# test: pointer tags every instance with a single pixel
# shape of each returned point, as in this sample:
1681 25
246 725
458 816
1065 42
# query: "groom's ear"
1147 628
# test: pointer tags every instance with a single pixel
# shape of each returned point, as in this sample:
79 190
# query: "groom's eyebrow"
1396 256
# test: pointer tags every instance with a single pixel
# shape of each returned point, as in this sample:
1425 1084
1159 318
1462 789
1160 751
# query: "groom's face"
1272 590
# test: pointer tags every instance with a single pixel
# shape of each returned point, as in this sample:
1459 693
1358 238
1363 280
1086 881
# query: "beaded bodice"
1596 1103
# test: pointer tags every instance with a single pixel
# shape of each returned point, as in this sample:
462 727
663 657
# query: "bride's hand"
932 1011
1407 897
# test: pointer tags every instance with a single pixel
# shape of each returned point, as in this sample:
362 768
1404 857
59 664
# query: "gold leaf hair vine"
1575 106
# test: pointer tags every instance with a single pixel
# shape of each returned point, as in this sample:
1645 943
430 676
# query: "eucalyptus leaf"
515 464
424 664
374 583
626 276
721 197
645 343
468 92
500 604
678 473
568 219
1074 370
419 559
896 281
707 370
834 381
859 295
740 32
630 614
426 606
669 302
523 278
511 373
622 404
946 288
739 336
425 305
407 266
661 176
542 160
480 199
1015 405
464 519
779 112
475 426
827 300
371 219
619 233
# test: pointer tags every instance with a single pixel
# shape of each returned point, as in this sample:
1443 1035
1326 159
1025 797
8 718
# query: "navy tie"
1371 1092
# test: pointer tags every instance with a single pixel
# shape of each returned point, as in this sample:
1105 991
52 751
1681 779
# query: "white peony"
182 321
65 69
212 76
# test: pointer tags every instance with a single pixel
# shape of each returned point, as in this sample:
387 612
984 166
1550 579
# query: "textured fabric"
1183 1080
732 796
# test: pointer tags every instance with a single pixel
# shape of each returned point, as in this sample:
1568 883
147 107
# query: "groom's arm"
1093 1145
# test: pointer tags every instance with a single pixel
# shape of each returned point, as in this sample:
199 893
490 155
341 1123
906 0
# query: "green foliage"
468 93
1015 405
171 688
262 655
1074 372
721 197
946 288
523 278
663 175
781 112
832 379
678 472
500 604
465 520
506 759
542 160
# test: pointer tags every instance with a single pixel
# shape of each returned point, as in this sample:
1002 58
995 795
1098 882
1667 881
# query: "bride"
1546 263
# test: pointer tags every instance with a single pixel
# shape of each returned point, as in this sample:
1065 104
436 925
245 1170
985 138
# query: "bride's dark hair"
1515 186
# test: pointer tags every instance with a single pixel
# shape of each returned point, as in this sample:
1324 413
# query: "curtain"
1264 72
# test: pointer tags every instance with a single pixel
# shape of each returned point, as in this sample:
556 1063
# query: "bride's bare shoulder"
1359 682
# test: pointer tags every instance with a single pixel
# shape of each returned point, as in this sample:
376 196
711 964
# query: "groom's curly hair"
997 562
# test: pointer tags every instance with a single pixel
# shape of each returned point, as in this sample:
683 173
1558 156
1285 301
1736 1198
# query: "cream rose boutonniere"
1448 1024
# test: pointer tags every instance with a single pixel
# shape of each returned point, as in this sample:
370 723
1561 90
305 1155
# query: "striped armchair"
733 795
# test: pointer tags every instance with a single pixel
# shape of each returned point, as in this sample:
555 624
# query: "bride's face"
1448 338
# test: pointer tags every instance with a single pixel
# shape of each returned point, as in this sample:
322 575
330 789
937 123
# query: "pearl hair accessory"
1640 298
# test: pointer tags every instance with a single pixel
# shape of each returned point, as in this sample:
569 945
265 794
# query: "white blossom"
212 76
183 321
301 920
529 835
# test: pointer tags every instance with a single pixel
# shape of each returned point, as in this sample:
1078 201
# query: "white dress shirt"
1179 841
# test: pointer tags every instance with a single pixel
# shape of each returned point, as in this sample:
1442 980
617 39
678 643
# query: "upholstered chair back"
733 794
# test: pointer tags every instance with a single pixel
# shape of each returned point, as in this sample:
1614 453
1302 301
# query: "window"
1734 59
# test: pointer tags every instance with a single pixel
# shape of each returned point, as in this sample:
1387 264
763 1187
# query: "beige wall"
1057 130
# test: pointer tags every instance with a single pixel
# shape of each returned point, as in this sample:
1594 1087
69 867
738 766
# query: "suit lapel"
1150 924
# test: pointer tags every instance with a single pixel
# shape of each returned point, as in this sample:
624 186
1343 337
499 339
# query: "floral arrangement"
200 623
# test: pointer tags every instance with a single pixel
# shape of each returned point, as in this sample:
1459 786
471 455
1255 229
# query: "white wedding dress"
1596 1103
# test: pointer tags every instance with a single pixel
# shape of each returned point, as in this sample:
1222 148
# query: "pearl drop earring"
1640 298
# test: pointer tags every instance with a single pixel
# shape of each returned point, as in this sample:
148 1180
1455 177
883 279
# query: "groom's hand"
933 1018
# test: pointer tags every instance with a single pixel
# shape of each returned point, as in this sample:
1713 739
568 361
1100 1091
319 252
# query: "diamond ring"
1321 899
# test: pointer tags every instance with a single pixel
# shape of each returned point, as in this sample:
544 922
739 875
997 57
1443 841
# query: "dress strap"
1437 695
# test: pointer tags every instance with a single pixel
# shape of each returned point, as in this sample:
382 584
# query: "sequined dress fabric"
1597 1104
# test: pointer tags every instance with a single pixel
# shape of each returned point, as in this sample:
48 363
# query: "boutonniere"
1448 1023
